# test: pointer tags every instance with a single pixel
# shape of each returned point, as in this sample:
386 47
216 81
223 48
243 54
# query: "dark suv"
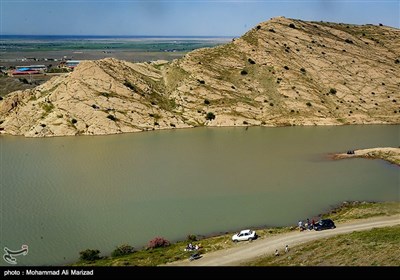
324 224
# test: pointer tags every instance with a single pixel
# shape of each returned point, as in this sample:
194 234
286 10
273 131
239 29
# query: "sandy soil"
389 154
246 251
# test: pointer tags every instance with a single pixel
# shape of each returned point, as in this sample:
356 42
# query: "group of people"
191 247
307 225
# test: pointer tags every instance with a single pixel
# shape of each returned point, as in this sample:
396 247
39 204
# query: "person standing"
286 249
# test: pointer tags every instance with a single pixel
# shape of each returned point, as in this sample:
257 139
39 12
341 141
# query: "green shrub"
191 237
129 85
206 101
210 116
111 117
74 121
332 91
89 255
105 94
123 250
243 72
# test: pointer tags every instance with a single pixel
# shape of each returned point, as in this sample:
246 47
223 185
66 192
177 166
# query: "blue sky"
180 17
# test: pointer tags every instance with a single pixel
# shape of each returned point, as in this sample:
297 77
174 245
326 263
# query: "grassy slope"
376 247
384 239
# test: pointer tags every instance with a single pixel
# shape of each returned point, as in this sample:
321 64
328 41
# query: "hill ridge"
281 72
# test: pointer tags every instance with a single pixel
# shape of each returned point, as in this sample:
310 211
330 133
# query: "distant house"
28 70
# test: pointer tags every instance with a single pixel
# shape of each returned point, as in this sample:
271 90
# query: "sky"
180 17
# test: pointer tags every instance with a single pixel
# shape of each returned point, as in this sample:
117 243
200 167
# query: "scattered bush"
201 81
348 41
286 67
111 117
1 98
89 255
397 61
105 94
24 80
243 72
251 61
47 107
206 101
129 85
292 25
309 104
271 104
74 121
258 27
191 237
122 250
303 70
245 122
210 116
271 30
158 242
332 91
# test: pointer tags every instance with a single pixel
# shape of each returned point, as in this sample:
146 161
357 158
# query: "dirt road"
245 251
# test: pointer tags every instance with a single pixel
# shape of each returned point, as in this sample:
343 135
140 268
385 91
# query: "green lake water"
62 195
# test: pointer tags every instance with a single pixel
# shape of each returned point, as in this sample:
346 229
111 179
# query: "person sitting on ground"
276 253
300 225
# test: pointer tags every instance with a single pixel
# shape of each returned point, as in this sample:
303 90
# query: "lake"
62 195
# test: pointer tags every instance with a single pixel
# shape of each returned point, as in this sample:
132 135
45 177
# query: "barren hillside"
281 72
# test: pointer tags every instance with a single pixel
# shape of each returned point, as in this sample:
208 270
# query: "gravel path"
245 251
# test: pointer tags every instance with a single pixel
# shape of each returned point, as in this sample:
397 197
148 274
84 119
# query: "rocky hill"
281 72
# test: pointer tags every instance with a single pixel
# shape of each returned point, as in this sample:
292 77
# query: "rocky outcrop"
281 72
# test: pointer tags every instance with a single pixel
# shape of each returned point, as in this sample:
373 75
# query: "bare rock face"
281 72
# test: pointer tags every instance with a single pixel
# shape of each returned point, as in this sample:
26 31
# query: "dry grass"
376 247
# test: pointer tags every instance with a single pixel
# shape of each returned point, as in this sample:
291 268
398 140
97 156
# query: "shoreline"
346 212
